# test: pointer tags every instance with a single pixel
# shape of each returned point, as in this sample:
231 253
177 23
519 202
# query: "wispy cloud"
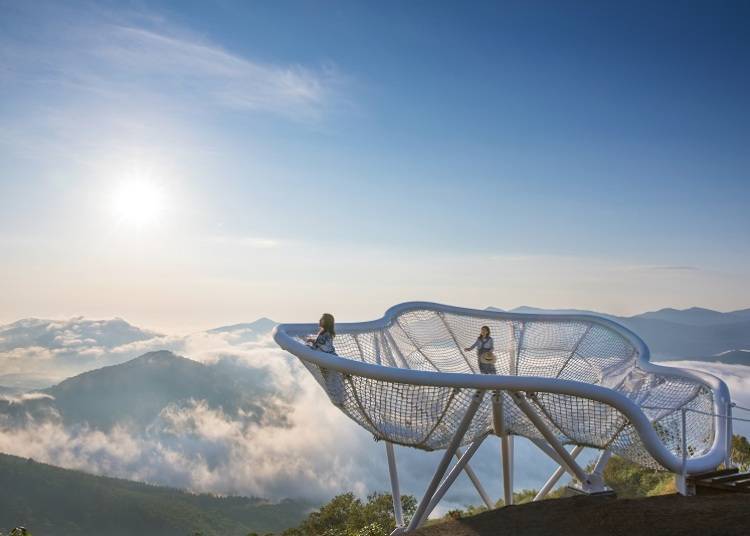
167 64
663 268
121 55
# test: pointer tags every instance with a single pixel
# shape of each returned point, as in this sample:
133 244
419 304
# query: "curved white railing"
288 337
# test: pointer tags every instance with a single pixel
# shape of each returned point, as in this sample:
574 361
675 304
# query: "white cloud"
194 446
315 453
211 74
737 378
127 56
25 397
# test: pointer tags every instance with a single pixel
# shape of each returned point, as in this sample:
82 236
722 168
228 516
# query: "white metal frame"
520 388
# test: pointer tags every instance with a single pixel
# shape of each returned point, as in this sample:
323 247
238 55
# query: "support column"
395 490
728 455
681 479
506 446
597 475
455 442
507 442
510 448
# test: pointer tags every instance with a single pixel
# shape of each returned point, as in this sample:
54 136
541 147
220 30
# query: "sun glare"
137 203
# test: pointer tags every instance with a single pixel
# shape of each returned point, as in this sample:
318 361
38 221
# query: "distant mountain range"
184 417
37 353
694 334
136 392
50 500
247 332
733 357
5 390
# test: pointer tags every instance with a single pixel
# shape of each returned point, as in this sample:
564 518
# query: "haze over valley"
208 411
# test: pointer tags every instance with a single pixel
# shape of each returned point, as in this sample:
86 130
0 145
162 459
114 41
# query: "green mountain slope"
60 502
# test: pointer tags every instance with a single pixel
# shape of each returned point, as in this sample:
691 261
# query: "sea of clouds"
314 453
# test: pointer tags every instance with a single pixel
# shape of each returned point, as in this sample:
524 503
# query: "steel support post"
559 472
395 490
681 479
538 422
597 475
498 418
452 475
475 480
450 450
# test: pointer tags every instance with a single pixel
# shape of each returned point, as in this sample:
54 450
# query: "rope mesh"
427 417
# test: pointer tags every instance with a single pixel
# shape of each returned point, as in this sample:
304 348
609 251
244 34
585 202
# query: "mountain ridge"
38 496
139 389
693 333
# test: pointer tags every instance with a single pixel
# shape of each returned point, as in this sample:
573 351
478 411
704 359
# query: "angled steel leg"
549 451
447 482
475 480
450 450
395 490
536 420
559 472
597 475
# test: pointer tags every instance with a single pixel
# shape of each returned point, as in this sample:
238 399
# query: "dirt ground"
727 514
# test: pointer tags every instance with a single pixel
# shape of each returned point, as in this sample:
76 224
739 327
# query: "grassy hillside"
51 500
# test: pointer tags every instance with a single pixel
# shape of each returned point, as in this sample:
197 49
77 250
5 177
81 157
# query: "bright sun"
137 203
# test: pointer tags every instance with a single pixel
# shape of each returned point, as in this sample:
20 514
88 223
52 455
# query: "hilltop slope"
51 500
727 515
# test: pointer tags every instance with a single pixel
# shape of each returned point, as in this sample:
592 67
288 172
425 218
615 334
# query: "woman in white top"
323 341
485 355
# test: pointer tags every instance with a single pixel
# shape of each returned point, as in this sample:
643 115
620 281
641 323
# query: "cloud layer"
314 453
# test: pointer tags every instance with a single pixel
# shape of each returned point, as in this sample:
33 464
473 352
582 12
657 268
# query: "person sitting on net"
485 346
324 340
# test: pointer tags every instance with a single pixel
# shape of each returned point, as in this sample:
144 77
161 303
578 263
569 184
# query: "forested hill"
51 500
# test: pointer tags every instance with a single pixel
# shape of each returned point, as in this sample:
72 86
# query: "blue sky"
347 156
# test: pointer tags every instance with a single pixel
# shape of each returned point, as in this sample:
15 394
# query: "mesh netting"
427 417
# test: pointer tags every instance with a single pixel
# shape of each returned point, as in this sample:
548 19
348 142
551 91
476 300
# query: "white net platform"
588 378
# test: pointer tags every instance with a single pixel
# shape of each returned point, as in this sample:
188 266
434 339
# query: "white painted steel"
421 513
395 489
498 422
566 458
555 477
549 451
447 482
597 474
381 398
475 480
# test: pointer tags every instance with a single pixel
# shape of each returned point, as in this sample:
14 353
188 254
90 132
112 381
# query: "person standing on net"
485 351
